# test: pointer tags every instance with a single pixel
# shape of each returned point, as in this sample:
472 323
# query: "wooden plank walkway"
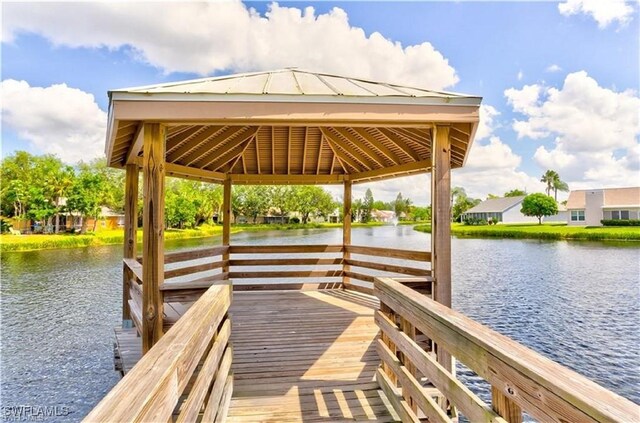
305 356
299 356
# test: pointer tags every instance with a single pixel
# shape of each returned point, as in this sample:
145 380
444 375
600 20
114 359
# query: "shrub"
618 222
294 220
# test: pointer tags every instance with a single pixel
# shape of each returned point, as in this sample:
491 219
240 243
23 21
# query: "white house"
589 207
505 210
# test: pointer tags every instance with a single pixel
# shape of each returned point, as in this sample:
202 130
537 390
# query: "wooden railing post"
153 234
346 231
130 235
226 220
505 407
441 223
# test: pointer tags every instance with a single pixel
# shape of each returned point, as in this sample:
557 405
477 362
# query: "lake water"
577 303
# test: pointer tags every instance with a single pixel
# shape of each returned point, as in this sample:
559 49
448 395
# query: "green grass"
545 231
10 243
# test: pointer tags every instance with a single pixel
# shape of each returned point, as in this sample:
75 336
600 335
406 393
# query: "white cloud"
488 124
58 119
553 68
604 12
595 130
492 168
207 37
520 75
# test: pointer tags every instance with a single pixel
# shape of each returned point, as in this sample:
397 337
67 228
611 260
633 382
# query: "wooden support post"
346 230
505 407
153 234
226 219
130 235
441 229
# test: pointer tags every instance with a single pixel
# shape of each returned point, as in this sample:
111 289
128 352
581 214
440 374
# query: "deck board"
298 356
305 356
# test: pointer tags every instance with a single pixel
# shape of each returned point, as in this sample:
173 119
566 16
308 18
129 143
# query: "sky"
559 80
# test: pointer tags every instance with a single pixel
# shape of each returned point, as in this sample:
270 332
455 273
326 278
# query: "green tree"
515 193
311 200
367 206
539 205
356 210
86 195
400 205
462 204
421 214
559 185
549 178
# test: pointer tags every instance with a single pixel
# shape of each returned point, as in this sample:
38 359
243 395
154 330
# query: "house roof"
496 205
613 197
290 126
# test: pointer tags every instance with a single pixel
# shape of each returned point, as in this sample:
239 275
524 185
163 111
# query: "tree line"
43 189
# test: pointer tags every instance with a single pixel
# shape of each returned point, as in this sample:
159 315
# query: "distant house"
505 210
589 207
385 216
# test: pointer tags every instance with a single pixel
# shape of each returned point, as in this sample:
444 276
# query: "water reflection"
577 303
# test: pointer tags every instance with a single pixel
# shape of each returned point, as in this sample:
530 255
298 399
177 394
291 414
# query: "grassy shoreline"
13 243
545 231
16 243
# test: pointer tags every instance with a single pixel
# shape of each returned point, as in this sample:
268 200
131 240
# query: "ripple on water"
577 303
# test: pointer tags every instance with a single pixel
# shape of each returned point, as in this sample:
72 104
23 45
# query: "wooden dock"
298 356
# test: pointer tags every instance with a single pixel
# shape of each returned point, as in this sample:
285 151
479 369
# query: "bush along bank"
590 233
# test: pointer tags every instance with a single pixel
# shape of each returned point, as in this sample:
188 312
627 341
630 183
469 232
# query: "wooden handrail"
135 267
274 249
158 384
542 388
389 252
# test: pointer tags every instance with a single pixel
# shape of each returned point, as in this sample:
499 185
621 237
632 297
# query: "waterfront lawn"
116 236
544 231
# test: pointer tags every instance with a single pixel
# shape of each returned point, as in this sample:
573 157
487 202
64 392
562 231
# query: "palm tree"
549 178
559 185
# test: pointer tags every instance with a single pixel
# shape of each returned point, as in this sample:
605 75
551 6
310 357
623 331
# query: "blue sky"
559 80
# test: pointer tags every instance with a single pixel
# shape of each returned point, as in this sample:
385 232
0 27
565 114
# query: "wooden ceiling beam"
304 150
136 145
397 140
204 151
226 153
175 140
257 154
185 172
390 155
341 151
412 136
319 156
273 150
415 167
342 158
250 179
193 143
344 133
289 150
237 157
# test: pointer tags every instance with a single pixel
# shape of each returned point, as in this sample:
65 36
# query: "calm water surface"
577 303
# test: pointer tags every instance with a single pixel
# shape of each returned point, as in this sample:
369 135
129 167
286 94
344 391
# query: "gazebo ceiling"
290 126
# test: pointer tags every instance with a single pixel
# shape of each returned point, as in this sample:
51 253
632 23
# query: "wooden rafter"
175 140
339 148
411 136
333 163
362 133
221 139
397 140
244 148
194 143
244 164
319 156
289 150
343 157
407 168
304 150
366 150
273 150
257 154
136 145
229 151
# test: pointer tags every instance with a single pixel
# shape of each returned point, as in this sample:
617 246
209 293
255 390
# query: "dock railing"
185 376
521 379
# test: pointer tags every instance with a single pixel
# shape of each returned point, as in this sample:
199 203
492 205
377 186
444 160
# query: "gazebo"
312 351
